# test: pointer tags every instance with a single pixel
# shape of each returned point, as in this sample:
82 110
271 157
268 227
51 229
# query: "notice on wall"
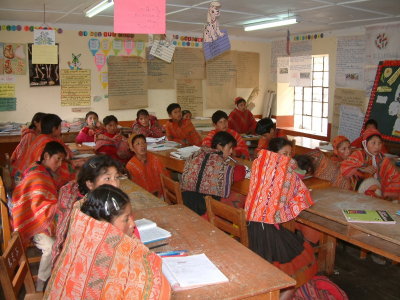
350 121
214 48
300 70
8 101
247 69
163 50
282 73
221 81
45 54
7 90
189 63
127 82
348 97
75 87
160 74
350 60
8 104
189 93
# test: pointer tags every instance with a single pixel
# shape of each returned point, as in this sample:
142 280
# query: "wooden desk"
80 148
327 217
140 198
250 276
304 144
241 187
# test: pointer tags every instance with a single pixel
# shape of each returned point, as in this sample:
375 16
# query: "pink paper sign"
139 17
99 60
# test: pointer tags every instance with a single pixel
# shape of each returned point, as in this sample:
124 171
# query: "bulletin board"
384 103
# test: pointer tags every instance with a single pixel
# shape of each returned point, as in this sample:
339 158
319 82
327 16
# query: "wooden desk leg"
326 254
274 295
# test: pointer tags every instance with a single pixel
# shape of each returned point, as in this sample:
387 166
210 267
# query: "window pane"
326 63
298 93
307 122
298 107
307 94
326 94
317 78
325 126
326 79
325 112
318 63
316 124
307 108
317 109
298 121
317 94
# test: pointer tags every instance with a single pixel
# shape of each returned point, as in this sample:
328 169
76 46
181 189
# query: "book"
188 272
368 216
150 232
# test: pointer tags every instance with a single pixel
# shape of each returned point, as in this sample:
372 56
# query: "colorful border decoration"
27 28
310 36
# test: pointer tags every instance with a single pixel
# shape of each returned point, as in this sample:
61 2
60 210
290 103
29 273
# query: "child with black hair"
370 124
266 127
147 125
180 130
220 121
111 142
186 114
210 171
305 165
34 201
101 247
241 119
92 127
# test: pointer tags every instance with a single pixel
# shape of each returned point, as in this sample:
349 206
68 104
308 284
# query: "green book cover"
368 216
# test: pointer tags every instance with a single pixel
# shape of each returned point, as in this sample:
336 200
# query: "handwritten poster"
160 74
189 63
247 69
42 74
217 47
351 121
163 50
75 87
137 16
127 82
8 101
7 90
45 54
221 81
8 104
282 73
14 58
348 97
350 60
1 58
94 46
300 68
189 94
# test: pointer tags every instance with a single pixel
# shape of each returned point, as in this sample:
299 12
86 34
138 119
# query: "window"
311 102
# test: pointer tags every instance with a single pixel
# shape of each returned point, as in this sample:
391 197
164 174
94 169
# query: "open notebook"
188 272
150 232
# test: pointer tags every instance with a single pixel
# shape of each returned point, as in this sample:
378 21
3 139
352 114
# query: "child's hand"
370 170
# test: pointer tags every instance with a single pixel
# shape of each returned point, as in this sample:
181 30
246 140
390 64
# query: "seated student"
370 124
93 126
147 125
27 137
111 142
98 170
341 148
50 131
217 175
267 129
34 201
241 119
102 259
180 130
144 167
220 121
376 175
277 195
186 114
305 165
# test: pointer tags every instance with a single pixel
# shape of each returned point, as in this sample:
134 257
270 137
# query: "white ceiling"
188 16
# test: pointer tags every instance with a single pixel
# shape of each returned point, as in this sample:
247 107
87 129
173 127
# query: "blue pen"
170 253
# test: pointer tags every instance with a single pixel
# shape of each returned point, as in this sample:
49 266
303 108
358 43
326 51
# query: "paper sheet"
75 87
351 120
163 50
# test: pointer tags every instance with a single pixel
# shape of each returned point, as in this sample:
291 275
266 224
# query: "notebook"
188 272
150 232
368 216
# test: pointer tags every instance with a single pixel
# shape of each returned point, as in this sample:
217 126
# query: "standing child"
34 202
111 142
147 125
220 121
93 126
241 119
180 130
267 129
144 167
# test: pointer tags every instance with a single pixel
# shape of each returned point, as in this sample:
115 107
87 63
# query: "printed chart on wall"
384 104
46 74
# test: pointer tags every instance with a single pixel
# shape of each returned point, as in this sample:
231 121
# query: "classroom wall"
47 99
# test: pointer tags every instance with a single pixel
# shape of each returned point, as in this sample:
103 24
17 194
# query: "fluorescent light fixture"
98 7
270 24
